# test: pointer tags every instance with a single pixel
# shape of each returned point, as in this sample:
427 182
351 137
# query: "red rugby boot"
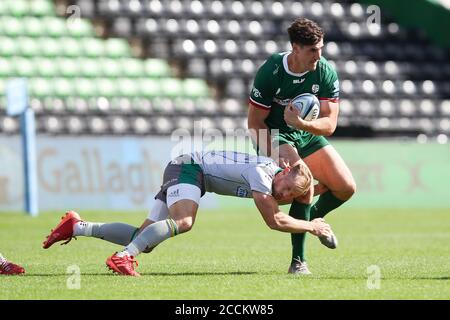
8 268
63 231
122 265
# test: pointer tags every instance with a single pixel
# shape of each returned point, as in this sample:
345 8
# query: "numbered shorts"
183 180
306 143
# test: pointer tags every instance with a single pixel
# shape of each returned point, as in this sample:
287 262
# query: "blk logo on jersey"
315 88
298 81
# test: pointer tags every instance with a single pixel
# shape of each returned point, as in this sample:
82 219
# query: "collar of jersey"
286 67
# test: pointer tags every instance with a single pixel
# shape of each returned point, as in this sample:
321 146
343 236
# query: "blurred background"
110 80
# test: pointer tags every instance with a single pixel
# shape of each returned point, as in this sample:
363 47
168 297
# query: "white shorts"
175 193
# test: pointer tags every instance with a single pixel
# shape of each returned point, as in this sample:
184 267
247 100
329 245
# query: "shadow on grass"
432 278
175 274
232 273
365 278
166 274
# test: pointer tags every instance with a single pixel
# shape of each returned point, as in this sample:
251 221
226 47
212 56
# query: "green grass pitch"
231 254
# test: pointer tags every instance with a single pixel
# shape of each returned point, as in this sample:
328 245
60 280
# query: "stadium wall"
124 173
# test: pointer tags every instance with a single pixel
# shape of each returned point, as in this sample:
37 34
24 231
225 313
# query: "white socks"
83 228
130 250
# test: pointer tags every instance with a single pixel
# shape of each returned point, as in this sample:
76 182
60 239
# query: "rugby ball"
308 105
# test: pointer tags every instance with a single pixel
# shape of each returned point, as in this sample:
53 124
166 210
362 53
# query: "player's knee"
349 189
185 224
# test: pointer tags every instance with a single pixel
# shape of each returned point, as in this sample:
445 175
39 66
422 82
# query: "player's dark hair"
305 32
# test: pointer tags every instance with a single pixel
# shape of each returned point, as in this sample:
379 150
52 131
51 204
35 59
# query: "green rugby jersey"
275 85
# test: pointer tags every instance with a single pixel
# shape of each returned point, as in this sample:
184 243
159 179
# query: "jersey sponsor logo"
241 192
315 88
284 102
256 93
298 81
276 69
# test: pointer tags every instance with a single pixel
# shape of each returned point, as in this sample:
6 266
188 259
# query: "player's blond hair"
301 178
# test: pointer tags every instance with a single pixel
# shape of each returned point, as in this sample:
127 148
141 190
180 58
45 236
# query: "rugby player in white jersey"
186 179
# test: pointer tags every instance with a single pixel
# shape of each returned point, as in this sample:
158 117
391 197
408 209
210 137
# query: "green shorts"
306 143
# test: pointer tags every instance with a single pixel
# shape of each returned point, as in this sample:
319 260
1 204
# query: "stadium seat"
116 48
126 87
9 125
93 47
55 27
75 125
98 125
6 68
149 88
79 28
118 124
88 67
68 67
171 87
41 8
390 80
18 8
195 88
109 87
141 125
23 67
34 27
163 125
132 67
163 105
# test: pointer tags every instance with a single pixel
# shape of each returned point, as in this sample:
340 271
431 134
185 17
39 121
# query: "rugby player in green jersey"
282 77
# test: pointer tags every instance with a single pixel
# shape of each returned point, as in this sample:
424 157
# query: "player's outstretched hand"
320 228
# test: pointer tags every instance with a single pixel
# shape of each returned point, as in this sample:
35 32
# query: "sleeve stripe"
330 99
258 105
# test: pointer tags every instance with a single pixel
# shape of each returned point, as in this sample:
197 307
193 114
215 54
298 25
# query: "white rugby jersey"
236 174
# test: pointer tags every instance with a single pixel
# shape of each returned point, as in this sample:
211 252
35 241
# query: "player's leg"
298 210
9 268
182 201
159 212
72 226
329 168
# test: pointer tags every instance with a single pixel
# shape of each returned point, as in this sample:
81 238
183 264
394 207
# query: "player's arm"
277 220
325 125
259 131
260 101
